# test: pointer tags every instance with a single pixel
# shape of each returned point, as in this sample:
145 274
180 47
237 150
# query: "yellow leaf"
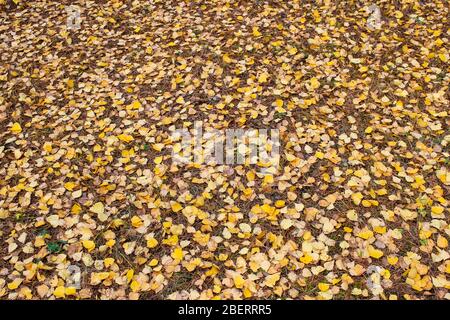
89 245
442 242
375 253
248 191
319 155
366 203
135 104
136 222
39 242
398 14
97 277
438 42
323 286
262 78
180 100
177 254
135 286
392 260
292 50
247 293
306 259
70 83
125 137
226 58
158 146
152 242
48 147
268 179
59 292
380 230
16 128
76 209
239 281
437 210
279 103
108 262
153 263
366 234
276 43
14 284
158 160
280 203
443 57
129 275
69 185
69 291
176 206
314 83
256 32
357 197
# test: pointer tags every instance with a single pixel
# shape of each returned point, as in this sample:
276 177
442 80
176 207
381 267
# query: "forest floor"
93 205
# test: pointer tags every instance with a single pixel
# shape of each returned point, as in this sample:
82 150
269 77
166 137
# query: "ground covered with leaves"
357 210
